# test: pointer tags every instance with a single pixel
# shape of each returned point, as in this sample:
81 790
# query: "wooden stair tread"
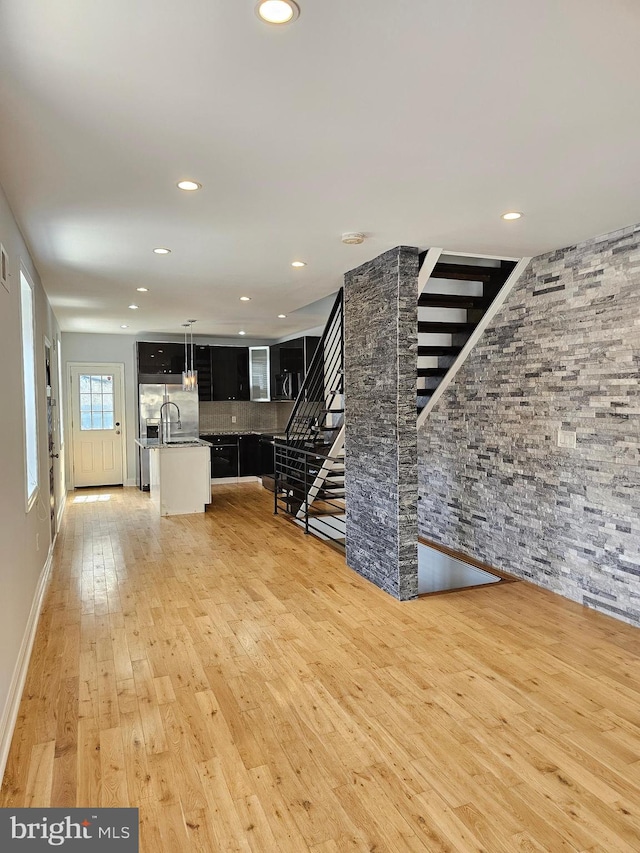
471 272
427 326
432 371
450 300
439 351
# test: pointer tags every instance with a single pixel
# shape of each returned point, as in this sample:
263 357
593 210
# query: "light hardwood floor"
235 681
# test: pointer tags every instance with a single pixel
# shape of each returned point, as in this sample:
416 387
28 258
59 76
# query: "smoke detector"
353 238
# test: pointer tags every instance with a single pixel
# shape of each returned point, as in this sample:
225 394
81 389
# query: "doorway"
97 424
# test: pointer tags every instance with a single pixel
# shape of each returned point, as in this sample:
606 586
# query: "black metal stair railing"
318 406
303 489
309 483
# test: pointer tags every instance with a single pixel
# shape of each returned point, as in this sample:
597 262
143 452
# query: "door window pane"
96 402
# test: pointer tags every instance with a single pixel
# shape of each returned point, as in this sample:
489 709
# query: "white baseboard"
130 483
12 706
61 507
220 481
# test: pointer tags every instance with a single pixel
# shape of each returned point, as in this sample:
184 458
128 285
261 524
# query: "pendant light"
189 374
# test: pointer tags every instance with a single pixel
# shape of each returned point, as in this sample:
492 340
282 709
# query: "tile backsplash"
258 417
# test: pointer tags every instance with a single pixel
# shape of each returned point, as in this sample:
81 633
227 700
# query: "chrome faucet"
161 430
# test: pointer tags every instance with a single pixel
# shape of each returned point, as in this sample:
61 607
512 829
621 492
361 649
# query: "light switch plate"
566 438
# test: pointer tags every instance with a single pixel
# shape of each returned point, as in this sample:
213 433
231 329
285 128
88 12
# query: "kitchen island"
180 475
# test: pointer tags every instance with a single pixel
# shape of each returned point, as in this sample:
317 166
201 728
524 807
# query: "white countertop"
153 444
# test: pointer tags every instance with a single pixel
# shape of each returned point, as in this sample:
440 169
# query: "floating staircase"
453 301
309 461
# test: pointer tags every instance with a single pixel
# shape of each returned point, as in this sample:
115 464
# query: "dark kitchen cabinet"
160 358
244 455
310 347
203 366
249 455
224 455
290 362
230 373
266 454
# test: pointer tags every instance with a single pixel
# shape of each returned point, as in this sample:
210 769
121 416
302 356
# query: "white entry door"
96 413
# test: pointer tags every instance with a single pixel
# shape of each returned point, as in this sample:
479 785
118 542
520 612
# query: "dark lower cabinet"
266 455
224 455
246 455
249 455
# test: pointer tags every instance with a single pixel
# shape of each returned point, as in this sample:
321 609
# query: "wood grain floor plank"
242 687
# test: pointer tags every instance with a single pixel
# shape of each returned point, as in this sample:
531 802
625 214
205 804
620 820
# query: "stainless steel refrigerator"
180 421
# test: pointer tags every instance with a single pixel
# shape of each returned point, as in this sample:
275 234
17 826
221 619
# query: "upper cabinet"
278 371
203 366
160 358
290 362
230 373
259 374
223 372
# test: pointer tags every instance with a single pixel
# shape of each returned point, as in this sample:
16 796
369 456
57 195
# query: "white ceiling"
415 121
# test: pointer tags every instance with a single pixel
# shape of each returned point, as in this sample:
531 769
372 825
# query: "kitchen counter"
180 475
238 432
154 444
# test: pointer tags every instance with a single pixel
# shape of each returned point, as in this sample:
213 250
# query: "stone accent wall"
563 354
381 480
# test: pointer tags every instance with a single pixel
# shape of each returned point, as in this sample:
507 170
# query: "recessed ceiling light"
512 214
282 316
124 327
162 251
142 289
277 11
242 333
245 299
189 186
133 307
298 264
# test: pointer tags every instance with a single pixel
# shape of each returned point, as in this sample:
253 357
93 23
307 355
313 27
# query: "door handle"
117 432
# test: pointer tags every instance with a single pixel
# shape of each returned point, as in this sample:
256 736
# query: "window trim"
30 498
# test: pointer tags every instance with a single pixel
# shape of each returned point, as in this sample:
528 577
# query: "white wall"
21 562
105 349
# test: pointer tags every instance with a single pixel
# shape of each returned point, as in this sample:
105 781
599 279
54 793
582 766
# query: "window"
96 402
29 382
60 387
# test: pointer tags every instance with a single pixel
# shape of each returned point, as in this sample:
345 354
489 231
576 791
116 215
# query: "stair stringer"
477 333
428 265
325 470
